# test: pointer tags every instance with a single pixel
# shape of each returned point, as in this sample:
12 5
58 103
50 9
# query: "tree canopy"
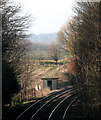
14 45
82 39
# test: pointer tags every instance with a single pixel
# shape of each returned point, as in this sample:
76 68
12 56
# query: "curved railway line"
64 104
52 106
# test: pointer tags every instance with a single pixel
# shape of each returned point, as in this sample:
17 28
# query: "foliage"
9 82
87 48
82 39
14 45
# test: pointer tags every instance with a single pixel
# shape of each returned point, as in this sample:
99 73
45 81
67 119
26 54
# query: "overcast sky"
49 15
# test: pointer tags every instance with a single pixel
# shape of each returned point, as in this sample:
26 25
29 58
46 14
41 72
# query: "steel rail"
66 92
69 107
42 100
60 104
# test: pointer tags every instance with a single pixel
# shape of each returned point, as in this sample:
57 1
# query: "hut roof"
50 78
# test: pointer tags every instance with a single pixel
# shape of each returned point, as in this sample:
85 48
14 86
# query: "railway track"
43 109
59 112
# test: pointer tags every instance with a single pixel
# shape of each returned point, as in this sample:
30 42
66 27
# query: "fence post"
34 92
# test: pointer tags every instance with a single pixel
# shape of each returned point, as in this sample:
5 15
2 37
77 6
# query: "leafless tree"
82 40
14 42
55 51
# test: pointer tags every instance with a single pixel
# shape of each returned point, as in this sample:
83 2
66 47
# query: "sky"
49 15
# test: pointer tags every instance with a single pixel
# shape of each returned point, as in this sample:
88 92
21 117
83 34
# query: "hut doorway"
49 84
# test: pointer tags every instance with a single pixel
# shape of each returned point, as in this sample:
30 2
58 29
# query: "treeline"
38 51
46 51
16 70
81 36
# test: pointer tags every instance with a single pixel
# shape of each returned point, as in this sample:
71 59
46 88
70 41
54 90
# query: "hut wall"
44 83
49 82
54 84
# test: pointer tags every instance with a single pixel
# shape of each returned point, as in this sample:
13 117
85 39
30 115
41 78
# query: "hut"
52 83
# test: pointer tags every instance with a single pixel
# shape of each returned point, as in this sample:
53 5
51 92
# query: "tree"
62 37
55 51
82 36
9 82
14 45
14 29
86 45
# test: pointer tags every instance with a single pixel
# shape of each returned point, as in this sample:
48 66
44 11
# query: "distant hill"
43 38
